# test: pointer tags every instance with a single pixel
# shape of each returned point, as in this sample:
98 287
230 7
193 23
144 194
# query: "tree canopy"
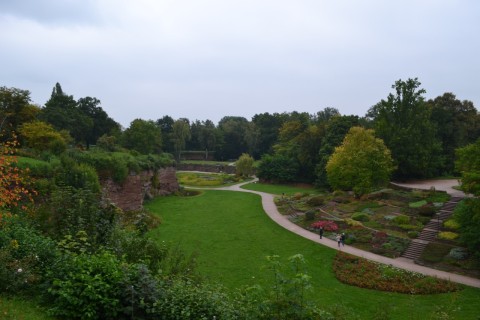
403 122
362 163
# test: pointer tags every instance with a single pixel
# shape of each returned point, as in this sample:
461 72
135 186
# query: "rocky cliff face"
131 193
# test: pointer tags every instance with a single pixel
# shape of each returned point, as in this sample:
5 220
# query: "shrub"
408 227
360 216
447 235
417 204
426 210
186 299
412 234
353 223
326 224
298 196
458 253
401 219
86 287
310 215
451 224
316 201
24 254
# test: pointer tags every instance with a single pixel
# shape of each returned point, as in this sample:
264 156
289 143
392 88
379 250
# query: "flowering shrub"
362 273
327 225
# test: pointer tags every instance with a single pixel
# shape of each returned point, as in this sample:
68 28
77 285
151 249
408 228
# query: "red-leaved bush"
327 225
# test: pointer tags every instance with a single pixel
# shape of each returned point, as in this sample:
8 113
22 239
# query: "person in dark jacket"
320 232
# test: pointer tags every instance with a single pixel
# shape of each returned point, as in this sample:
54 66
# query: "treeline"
422 135
64 243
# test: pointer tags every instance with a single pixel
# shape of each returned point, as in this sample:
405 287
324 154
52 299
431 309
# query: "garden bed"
383 222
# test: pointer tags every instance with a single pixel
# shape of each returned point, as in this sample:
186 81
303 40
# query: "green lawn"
278 188
232 235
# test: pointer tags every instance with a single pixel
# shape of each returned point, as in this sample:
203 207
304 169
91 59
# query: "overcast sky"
205 59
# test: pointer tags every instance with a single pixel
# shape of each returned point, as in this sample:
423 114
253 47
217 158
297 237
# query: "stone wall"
131 193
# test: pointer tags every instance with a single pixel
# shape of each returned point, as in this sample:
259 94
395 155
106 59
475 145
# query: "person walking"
320 232
342 239
338 237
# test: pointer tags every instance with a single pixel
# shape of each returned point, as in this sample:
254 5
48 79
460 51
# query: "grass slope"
232 235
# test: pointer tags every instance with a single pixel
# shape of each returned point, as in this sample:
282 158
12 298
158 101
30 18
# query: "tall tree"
265 129
403 122
335 130
181 133
207 137
326 114
15 109
101 122
143 136
456 125
62 112
166 126
233 130
362 163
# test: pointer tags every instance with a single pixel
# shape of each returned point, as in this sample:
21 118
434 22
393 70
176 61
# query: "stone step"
428 234
444 215
456 199
414 250
434 224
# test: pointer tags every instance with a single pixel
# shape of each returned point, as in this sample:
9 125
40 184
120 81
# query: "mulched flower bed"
362 273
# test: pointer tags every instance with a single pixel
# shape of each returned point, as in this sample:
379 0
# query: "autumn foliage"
14 182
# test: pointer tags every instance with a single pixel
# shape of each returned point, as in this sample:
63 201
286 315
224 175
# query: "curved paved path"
406 264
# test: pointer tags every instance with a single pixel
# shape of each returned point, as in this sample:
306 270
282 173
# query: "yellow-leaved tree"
361 163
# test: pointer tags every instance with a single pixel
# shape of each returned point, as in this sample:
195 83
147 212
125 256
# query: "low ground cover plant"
195 179
367 274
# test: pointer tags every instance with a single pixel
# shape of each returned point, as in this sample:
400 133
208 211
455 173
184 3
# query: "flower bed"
362 273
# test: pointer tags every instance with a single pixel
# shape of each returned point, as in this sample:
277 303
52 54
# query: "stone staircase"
431 229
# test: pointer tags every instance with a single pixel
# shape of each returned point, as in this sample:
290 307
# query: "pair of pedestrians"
340 239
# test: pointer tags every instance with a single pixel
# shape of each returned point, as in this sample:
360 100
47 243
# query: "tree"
62 112
244 165
362 163
203 136
233 130
468 164
277 168
335 130
101 123
180 135
166 126
143 136
265 127
456 124
15 109
300 141
403 122
326 114
42 136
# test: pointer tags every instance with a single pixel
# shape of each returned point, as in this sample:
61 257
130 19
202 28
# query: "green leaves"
362 163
